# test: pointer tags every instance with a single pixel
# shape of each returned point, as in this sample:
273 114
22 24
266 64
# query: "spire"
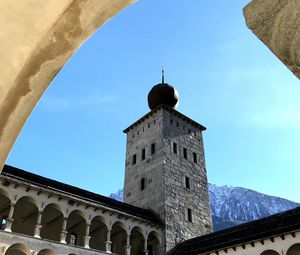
162 75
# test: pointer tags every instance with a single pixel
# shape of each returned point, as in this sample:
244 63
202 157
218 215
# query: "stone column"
87 236
64 232
38 226
127 246
146 252
108 242
10 219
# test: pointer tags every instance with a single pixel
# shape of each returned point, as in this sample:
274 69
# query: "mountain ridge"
231 205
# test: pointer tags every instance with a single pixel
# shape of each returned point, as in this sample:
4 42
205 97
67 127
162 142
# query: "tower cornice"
168 108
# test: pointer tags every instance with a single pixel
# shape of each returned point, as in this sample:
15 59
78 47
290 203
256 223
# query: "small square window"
152 148
143 184
195 157
134 159
187 182
184 152
175 148
143 154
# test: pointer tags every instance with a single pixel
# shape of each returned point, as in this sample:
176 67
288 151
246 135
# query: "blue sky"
227 80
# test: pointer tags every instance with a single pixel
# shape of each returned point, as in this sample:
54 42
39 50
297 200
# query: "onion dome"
163 93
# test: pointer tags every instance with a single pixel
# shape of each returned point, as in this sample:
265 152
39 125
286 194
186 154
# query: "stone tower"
165 168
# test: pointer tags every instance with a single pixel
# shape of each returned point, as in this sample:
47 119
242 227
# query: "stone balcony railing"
35 245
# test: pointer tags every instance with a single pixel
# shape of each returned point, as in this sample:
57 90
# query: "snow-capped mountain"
234 205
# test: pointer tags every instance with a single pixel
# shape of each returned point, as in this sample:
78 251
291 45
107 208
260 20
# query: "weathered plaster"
37 38
277 24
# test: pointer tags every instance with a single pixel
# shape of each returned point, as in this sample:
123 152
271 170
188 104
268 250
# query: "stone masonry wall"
141 137
176 168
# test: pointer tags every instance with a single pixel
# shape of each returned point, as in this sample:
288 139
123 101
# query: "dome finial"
163 93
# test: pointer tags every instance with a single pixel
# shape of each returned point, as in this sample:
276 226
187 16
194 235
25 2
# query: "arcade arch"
4 208
76 227
153 243
269 252
137 241
25 216
52 222
294 250
18 249
46 252
98 233
118 238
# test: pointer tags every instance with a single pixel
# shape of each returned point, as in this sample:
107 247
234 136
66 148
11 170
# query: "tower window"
148 125
187 182
195 157
143 154
152 148
189 215
177 124
184 152
171 121
134 159
143 184
175 148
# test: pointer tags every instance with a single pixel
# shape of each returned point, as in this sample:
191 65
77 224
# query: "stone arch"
118 238
5 204
18 249
46 252
76 227
25 216
137 239
154 241
294 249
98 233
52 222
269 252
35 54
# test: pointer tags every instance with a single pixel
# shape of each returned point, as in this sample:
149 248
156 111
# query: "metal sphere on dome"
163 93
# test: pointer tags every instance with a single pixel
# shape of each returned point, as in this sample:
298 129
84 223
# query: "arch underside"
39 40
